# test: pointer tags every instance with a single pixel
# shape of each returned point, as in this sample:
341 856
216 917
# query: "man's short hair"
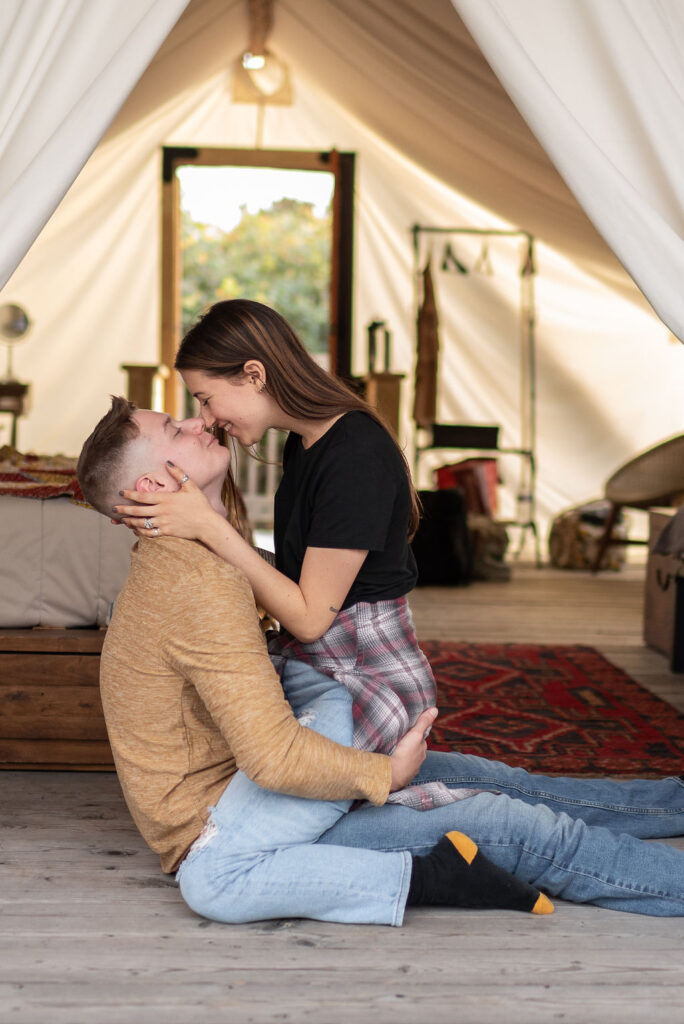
100 463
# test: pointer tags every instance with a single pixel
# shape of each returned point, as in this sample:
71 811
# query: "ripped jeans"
257 858
265 855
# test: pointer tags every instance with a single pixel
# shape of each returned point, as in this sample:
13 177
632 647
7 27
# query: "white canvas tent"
438 141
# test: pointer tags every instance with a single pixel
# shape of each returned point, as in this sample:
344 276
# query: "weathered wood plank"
65 912
307 947
46 753
64 710
86 641
49 669
237 996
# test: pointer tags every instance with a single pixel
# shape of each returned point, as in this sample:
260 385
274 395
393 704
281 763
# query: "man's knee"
215 900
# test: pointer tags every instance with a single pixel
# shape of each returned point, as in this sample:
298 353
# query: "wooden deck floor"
92 932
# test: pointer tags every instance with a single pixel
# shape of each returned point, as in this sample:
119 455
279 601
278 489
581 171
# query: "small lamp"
14 323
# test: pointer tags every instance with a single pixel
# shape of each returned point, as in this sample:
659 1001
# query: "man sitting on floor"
190 697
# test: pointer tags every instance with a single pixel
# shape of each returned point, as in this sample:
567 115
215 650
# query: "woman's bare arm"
305 609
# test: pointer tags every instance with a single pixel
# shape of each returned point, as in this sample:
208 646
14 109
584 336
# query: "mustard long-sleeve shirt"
190 697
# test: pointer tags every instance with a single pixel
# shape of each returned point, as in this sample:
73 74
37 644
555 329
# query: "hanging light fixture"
253 61
259 76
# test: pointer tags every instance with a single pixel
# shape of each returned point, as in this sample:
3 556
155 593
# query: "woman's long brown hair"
233 332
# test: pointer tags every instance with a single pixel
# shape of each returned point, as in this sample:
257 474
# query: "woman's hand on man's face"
183 513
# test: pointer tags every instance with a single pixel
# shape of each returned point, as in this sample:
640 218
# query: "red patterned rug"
552 709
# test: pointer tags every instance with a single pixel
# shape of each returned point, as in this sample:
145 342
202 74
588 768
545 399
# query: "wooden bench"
50 709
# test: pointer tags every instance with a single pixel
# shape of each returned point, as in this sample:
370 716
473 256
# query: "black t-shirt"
348 490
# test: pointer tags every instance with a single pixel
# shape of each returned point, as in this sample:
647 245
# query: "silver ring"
184 479
148 524
155 532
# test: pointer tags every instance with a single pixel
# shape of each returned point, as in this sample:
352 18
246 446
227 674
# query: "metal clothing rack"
485 437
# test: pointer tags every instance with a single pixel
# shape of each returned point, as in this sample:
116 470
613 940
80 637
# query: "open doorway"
283 271
262 233
274 226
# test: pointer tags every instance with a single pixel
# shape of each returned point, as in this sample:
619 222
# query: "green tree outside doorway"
279 256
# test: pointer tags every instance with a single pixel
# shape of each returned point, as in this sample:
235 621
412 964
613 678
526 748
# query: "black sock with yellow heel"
456 874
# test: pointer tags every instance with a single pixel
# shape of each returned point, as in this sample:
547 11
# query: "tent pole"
170 291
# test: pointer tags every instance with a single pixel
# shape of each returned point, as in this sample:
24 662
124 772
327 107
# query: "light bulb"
253 61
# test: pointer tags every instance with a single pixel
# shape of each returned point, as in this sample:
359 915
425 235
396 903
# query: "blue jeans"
260 860
271 855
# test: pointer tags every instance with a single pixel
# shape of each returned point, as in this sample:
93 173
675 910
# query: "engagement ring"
148 524
184 479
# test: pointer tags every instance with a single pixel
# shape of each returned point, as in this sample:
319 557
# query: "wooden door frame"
342 165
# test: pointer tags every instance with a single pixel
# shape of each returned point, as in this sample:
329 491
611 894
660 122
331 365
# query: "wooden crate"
50 709
664 596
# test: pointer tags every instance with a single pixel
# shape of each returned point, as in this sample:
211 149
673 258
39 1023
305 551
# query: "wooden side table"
12 397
